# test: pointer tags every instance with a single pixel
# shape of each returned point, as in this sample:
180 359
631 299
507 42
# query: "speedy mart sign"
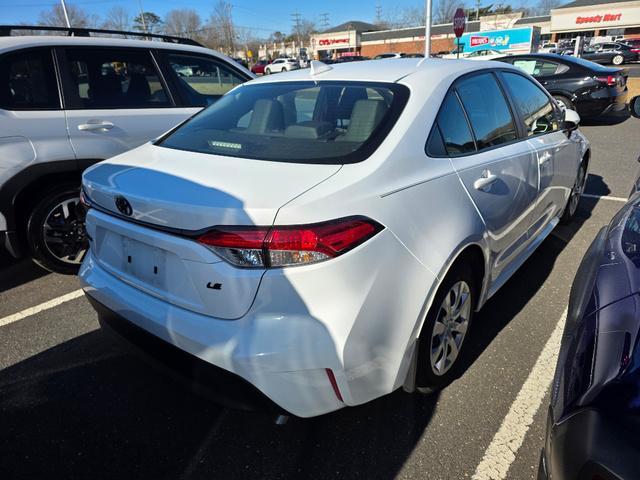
598 17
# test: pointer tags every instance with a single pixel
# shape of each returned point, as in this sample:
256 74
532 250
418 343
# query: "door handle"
90 127
485 180
544 158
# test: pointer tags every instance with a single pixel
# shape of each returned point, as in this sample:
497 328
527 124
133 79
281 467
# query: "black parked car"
593 422
609 53
580 85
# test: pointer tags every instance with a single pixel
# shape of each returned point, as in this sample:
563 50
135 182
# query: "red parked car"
258 68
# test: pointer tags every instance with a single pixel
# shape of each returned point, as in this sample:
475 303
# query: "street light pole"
427 28
66 15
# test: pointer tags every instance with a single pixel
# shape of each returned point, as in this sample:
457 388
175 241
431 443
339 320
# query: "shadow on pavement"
87 409
607 120
14 273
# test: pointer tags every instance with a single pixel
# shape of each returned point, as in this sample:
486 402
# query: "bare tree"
545 6
148 22
445 9
77 17
404 17
183 22
221 27
118 18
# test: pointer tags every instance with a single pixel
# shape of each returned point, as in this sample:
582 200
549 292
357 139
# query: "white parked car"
548 48
485 54
68 102
326 237
282 65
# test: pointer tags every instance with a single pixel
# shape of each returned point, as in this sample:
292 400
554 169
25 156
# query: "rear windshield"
301 122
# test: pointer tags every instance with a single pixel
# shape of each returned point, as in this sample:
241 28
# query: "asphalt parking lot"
73 404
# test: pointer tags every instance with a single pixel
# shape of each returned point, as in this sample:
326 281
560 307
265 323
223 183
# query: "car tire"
617 60
564 101
571 207
284 69
55 231
267 71
438 363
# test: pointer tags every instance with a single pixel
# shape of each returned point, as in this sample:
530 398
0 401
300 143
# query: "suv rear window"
299 122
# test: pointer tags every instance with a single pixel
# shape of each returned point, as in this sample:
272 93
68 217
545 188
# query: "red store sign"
607 17
475 41
332 41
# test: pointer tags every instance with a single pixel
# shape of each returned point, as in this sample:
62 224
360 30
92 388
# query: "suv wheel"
617 60
55 231
446 328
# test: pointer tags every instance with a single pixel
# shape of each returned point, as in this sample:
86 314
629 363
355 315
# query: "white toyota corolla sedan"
324 237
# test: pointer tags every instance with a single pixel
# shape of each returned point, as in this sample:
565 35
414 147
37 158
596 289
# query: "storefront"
596 18
342 40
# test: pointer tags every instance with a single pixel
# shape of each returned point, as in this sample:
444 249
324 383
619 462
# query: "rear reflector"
282 246
334 384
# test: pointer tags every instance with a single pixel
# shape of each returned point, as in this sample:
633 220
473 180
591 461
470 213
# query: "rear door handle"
485 180
544 158
90 127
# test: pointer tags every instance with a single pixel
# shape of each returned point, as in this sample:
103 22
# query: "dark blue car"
593 427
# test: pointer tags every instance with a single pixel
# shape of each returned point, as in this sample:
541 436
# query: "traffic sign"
459 22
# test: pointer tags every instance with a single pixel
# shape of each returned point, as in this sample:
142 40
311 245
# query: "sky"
263 16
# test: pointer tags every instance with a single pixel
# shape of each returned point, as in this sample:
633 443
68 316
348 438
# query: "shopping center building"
596 19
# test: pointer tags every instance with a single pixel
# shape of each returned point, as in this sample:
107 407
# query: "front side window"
301 122
201 80
27 81
105 78
488 111
534 105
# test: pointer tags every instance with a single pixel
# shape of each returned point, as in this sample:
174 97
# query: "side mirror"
571 119
634 106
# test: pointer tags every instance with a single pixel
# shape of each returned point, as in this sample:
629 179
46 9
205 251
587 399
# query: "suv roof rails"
5 31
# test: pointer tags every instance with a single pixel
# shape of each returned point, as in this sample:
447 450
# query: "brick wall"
414 46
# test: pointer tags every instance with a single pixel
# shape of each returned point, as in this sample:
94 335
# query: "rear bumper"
602 102
199 376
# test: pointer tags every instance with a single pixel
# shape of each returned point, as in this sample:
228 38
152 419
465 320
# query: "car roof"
12 43
387 70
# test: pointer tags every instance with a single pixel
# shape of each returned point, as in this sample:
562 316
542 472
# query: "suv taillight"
283 246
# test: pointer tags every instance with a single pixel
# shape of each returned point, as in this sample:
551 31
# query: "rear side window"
201 80
540 68
105 78
534 105
488 111
27 81
297 122
454 128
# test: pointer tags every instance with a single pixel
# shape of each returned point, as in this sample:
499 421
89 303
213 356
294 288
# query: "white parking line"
605 197
505 444
40 308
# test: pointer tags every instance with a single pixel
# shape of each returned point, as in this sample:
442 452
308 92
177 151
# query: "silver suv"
67 102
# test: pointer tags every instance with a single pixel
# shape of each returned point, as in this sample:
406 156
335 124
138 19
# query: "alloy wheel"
450 327
576 193
617 60
64 233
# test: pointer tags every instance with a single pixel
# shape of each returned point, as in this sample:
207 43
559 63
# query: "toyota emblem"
123 205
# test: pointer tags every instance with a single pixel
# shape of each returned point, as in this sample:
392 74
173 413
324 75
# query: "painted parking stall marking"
27 312
505 444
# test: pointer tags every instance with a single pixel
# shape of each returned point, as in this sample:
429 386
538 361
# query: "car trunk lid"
174 196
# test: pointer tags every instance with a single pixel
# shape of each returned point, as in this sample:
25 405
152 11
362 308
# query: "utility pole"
427 28
324 21
144 22
378 13
295 17
478 9
66 15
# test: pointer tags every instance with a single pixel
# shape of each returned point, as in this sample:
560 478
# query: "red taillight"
610 80
263 247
